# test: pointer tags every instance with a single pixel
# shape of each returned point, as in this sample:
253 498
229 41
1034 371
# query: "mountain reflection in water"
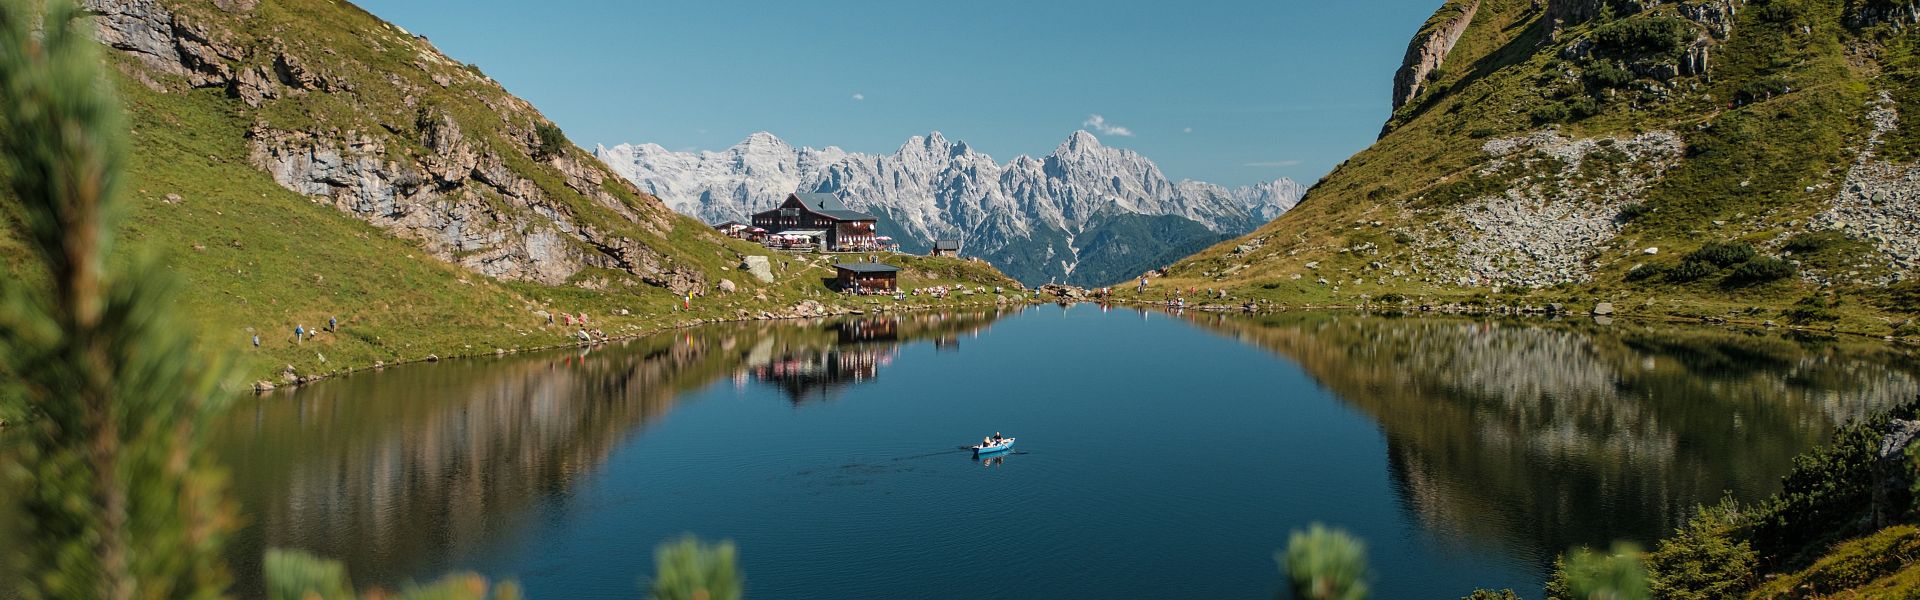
1546 435
1469 452
430 462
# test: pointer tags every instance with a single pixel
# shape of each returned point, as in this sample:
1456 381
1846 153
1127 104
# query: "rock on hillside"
360 114
1583 147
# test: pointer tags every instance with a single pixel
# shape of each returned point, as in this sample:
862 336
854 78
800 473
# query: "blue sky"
1230 92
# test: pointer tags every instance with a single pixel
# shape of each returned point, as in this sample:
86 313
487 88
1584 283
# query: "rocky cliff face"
1430 48
425 148
1030 216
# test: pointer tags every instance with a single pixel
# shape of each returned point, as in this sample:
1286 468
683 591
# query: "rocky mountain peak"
1078 141
762 140
932 188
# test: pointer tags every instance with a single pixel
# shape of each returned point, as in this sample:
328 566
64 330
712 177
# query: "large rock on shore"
760 267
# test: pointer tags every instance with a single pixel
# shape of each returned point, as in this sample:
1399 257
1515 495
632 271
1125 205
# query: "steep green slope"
300 160
1589 151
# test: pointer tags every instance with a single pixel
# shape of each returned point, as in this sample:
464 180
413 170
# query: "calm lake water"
1160 455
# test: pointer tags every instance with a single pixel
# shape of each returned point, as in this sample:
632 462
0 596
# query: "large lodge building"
823 218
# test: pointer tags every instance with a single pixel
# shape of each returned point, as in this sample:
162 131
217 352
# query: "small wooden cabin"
946 248
867 278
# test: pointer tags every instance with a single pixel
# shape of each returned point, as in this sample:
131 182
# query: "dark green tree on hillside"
121 502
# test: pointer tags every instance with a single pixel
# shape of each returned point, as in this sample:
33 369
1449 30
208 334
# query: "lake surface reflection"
1540 436
1161 455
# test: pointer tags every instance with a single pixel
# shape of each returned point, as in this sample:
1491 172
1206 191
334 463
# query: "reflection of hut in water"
821 375
946 343
870 330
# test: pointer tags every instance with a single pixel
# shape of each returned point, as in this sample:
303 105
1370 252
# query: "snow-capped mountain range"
1033 218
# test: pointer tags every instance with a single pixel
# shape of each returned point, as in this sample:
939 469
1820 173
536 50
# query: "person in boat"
986 441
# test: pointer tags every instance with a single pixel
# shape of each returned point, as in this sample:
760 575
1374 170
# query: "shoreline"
263 387
1034 298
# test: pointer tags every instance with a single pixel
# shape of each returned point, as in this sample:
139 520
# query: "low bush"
1550 113
1826 495
1813 242
1633 211
1765 269
1645 36
1723 254
1644 272
551 141
1691 270
1706 558
1605 74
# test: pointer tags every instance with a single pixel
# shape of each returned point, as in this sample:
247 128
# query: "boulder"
1603 309
758 266
727 286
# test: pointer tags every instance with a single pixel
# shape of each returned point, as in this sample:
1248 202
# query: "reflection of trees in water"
1547 436
402 471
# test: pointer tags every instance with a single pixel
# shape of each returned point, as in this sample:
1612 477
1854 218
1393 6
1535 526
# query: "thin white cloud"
1100 124
857 96
1186 130
1273 164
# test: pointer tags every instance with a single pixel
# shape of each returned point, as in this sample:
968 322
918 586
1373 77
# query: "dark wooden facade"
867 278
843 229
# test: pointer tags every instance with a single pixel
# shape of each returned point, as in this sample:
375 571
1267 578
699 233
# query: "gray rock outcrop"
759 267
468 199
1430 48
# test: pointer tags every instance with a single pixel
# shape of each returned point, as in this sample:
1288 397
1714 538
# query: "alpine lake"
1160 454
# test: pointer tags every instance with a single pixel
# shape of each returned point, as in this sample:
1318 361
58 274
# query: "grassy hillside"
1667 157
260 256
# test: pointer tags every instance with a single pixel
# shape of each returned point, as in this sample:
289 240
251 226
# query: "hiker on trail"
1143 284
299 333
332 323
256 340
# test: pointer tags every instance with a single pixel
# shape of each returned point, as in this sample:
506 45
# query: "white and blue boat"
1003 445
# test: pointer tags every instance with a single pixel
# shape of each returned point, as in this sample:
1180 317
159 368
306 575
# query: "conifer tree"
119 500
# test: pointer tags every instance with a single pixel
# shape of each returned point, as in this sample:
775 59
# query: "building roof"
867 267
729 224
947 245
821 202
847 215
830 206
